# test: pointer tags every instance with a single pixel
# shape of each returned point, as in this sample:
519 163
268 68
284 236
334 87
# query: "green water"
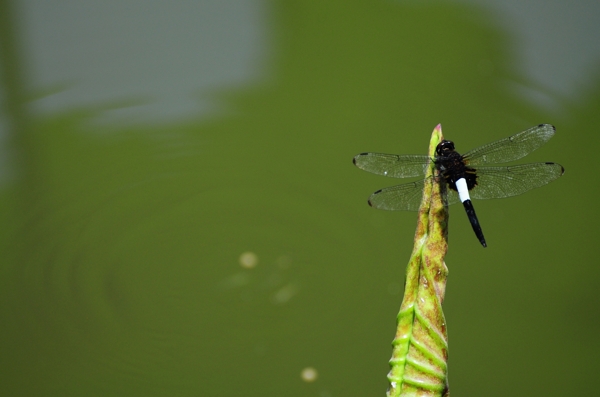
120 248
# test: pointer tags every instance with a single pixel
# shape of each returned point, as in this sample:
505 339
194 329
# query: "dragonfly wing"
511 148
392 165
500 182
406 197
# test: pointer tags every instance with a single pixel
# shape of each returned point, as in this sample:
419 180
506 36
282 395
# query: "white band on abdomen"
463 190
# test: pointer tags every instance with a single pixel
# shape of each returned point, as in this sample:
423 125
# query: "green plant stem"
420 347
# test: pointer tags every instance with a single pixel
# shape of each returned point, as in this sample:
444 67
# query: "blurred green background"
180 214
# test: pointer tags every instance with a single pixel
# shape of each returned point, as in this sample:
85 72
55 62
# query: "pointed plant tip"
437 133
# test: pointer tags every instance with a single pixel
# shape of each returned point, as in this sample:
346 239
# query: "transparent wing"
500 182
511 148
406 197
392 165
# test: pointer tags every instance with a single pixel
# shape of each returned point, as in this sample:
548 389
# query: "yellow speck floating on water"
248 260
309 374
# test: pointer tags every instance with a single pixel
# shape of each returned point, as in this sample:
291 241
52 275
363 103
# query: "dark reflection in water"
227 255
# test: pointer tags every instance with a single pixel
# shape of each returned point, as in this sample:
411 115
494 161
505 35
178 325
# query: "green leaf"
420 347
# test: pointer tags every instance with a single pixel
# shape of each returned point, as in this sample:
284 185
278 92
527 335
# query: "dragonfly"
464 176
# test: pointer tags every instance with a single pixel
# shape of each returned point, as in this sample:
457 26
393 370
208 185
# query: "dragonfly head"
444 148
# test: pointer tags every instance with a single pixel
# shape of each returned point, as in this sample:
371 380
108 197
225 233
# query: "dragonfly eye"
444 147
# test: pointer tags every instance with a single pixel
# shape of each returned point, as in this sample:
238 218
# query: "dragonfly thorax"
452 166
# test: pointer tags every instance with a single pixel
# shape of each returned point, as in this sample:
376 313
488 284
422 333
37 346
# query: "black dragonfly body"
464 176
